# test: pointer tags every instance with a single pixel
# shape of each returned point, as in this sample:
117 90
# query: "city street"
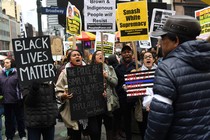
60 133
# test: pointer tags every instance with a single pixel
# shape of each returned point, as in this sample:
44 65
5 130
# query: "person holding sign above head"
180 106
74 127
40 110
112 103
12 100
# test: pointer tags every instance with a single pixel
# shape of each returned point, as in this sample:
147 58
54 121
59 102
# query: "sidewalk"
61 133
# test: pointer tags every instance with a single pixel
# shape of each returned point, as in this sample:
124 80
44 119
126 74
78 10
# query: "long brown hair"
93 60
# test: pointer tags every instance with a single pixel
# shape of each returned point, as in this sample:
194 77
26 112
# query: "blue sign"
53 10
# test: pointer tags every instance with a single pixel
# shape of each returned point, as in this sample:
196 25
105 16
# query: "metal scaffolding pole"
39 17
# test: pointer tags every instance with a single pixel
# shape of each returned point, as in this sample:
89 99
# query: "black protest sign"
86 84
33 59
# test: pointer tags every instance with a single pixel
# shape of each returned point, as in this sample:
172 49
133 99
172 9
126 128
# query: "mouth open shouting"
76 58
148 60
99 57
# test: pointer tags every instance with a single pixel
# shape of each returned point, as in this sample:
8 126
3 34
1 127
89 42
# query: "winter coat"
121 70
180 109
111 82
10 88
60 86
40 105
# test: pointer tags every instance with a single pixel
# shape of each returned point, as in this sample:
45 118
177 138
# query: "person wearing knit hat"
180 106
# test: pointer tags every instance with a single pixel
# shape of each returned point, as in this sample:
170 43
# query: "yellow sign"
206 1
203 16
73 20
133 21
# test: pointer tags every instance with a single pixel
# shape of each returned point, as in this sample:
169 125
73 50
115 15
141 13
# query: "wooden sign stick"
135 54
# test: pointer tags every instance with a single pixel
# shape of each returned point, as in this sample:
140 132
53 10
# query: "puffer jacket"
10 88
183 78
40 105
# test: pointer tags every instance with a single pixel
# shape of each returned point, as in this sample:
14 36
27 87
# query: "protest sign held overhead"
56 45
108 43
33 59
133 21
159 17
146 44
206 1
203 16
99 15
87 85
138 82
73 20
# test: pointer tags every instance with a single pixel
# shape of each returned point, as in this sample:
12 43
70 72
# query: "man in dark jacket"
180 109
123 114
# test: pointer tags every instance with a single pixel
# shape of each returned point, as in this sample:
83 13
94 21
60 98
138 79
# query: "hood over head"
196 53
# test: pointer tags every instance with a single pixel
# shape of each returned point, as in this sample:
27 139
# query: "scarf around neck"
154 66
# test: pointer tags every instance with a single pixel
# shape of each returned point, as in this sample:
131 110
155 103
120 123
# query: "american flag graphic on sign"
137 82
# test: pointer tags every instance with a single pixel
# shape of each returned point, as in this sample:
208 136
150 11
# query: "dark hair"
153 55
138 56
126 47
69 54
93 60
68 51
112 60
105 35
13 64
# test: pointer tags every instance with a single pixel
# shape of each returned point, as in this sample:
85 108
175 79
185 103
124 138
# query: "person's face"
69 11
99 57
105 38
127 56
7 64
76 58
148 60
167 45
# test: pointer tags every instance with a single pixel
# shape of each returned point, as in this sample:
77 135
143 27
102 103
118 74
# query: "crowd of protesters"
179 108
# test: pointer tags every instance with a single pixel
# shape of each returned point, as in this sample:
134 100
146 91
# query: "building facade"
188 7
4 30
10 23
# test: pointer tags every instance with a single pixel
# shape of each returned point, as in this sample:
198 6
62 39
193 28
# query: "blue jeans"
1 113
46 132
